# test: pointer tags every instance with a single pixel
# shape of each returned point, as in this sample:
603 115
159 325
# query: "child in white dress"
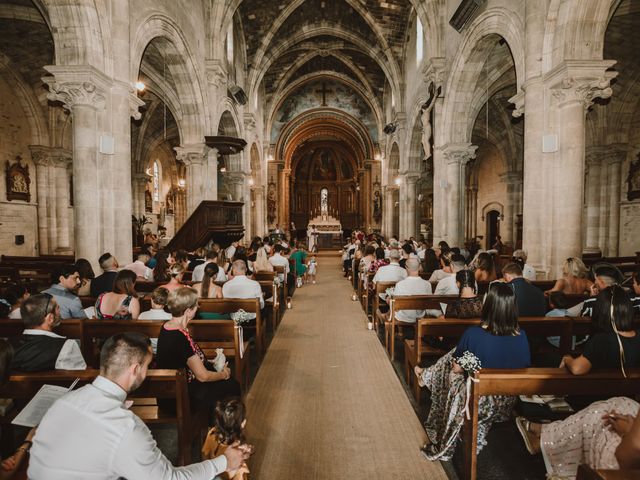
311 270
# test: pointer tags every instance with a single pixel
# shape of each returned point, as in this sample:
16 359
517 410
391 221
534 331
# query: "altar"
328 231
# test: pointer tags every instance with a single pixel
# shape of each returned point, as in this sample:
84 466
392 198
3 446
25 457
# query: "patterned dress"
583 438
446 416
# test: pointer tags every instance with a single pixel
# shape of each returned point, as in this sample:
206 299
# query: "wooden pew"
585 472
271 299
70 328
285 299
412 302
536 381
159 384
380 287
210 334
231 305
415 351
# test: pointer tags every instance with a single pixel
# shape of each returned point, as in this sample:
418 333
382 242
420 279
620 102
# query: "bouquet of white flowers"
469 363
240 317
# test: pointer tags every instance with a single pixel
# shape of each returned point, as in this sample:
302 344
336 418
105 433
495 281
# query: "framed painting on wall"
18 181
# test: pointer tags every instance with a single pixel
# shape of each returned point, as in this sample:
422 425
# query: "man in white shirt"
412 285
392 272
140 266
104 440
240 286
448 286
198 271
38 348
277 260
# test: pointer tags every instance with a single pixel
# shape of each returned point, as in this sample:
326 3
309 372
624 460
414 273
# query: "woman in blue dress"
498 342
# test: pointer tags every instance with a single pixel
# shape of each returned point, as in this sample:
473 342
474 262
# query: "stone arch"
492 206
575 30
280 97
415 150
182 67
321 29
29 103
79 32
491 26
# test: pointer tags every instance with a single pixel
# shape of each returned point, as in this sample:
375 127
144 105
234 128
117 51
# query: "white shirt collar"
110 388
33 331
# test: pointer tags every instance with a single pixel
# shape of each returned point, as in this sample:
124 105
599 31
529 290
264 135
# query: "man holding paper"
101 438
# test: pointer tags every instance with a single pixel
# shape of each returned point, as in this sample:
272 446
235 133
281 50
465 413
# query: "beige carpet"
326 403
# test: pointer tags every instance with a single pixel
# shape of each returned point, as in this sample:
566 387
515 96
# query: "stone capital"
601 154
140 178
249 121
192 154
77 85
518 101
581 81
216 72
51 156
460 153
235 178
434 71
134 105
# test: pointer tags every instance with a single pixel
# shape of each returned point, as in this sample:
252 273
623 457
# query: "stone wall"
16 217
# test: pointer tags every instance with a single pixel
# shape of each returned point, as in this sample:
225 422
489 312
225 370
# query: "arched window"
324 201
156 181
419 40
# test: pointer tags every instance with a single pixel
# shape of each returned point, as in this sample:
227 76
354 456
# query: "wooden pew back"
537 381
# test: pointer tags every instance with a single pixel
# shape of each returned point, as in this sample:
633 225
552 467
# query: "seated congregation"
465 317
191 321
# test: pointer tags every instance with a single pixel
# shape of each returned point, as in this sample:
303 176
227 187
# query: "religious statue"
170 203
148 201
271 202
377 205
425 117
161 215
18 181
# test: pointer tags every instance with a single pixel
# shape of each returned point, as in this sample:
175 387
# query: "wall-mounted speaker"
549 143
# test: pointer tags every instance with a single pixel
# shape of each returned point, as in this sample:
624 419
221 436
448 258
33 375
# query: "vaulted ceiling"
361 39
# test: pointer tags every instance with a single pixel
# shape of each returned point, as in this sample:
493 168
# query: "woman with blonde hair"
574 278
261 263
177 350
176 272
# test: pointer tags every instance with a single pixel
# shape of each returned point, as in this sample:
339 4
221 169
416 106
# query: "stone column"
139 185
592 200
473 191
614 165
409 196
46 199
259 210
435 72
387 212
574 85
82 90
456 156
511 179
195 159
60 171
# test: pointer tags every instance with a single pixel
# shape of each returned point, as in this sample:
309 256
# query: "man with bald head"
412 285
241 286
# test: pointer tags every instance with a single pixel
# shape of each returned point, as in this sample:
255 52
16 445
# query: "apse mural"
324 93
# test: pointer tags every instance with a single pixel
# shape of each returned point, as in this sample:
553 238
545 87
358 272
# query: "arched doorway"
492 221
